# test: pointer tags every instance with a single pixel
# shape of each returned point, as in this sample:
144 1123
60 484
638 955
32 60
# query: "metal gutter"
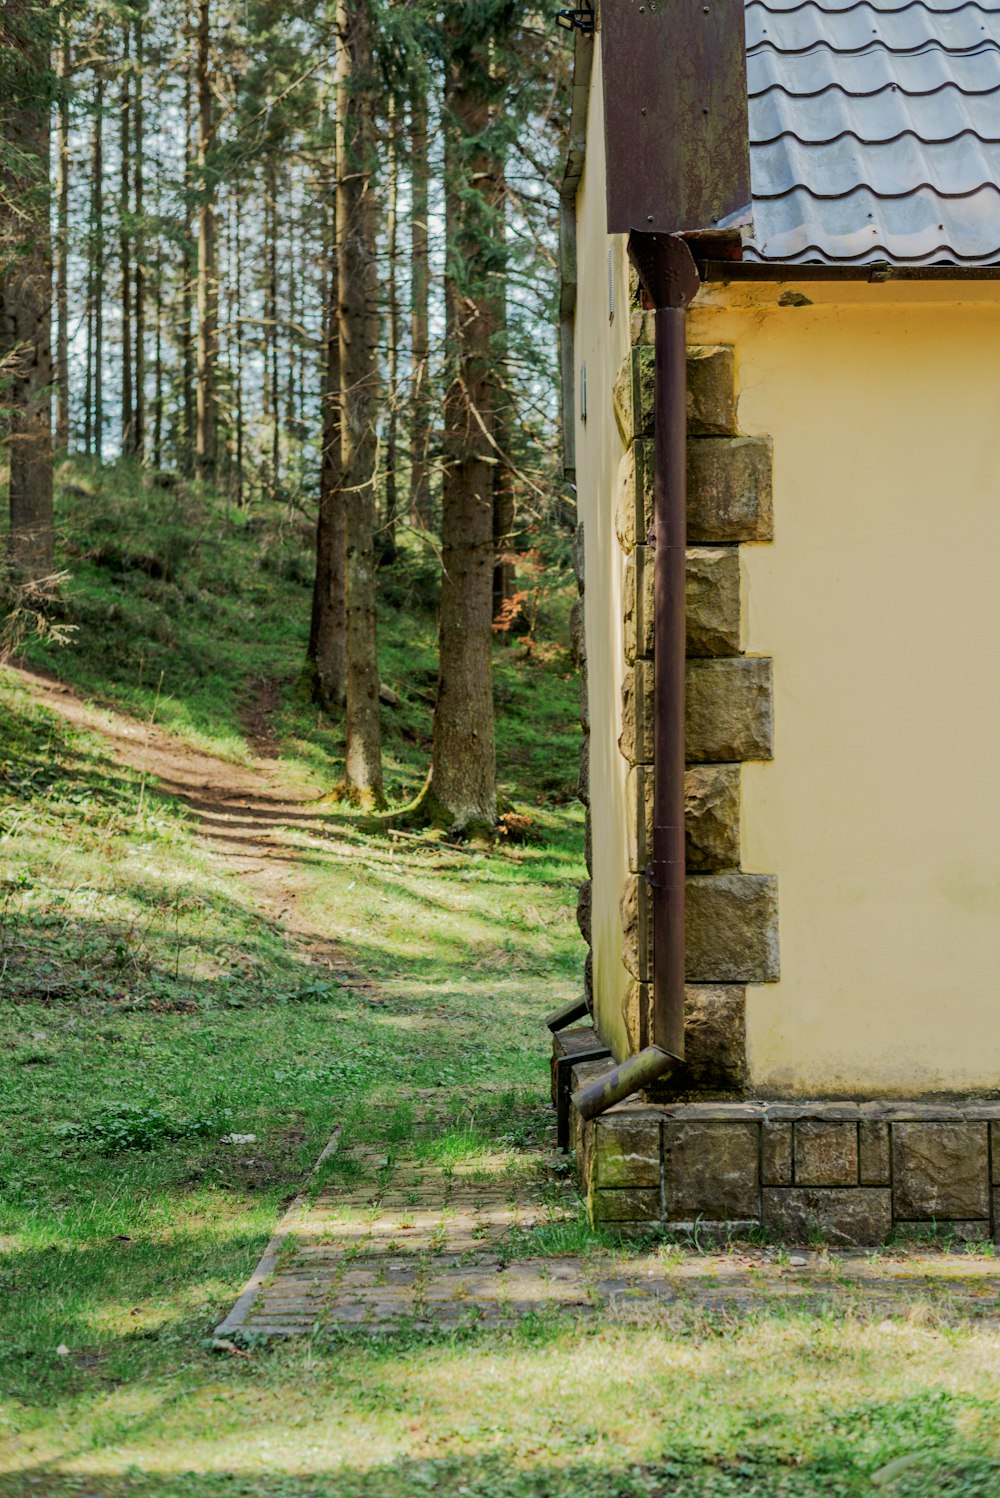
878 271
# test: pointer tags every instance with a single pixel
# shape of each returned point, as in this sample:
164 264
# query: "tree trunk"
356 225
97 252
26 290
124 242
238 277
392 418
503 472
187 270
420 409
62 247
139 414
208 290
327 641
461 789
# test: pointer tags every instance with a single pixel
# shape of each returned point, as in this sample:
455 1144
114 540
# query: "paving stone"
940 1170
826 1153
995 1151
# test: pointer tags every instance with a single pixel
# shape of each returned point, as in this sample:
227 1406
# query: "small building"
840 744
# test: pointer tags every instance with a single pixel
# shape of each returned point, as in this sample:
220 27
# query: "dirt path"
251 815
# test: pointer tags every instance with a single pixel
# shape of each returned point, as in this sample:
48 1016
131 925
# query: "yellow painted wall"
601 343
879 601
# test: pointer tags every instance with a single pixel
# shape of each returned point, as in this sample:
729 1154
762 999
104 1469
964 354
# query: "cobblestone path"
394 1239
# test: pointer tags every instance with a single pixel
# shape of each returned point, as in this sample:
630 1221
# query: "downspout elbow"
616 1085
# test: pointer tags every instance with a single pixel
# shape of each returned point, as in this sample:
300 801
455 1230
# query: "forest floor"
197 946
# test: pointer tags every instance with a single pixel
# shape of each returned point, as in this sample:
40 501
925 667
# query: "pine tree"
356 225
26 283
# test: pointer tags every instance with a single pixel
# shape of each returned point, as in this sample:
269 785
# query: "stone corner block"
711 390
711 817
712 601
634 394
626 1150
729 489
715 1037
636 739
637 928
639 632
940 1171
732 928
634 495
729 707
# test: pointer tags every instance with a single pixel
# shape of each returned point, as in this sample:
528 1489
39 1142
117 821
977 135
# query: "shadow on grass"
960 1472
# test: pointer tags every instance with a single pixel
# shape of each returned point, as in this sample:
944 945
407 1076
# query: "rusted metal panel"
675 113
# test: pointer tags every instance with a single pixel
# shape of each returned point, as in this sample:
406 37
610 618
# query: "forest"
296 261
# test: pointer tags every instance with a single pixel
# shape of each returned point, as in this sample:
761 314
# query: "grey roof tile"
874 131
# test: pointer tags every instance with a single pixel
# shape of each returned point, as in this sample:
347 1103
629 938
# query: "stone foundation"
837 1172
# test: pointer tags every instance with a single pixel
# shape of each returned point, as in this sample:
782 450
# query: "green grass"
148 1008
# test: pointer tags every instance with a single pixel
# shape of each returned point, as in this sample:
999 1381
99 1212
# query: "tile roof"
874 131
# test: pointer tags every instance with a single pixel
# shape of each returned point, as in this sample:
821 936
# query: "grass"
149 1008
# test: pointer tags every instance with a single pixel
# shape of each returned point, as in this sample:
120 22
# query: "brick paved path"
392 1239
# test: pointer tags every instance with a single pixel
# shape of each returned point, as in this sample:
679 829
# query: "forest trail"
255 817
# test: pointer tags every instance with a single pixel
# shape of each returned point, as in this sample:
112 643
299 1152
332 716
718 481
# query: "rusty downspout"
670 280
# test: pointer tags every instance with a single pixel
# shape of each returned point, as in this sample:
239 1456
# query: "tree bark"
124 241
188 269
97 254
139 413
420 411
388 546
327 656
503 473
461 788
356 226
62 246
208 290
26 290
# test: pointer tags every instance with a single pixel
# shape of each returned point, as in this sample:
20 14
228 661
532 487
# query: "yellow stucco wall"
601 342
879 600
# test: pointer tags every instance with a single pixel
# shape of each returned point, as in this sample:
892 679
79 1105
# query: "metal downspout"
670 280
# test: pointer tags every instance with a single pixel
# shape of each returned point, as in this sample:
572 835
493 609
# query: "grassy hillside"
180 601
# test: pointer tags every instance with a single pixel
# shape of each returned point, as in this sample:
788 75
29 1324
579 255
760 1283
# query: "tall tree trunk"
356 226
26 289
158 357
503 472
188 270
139 414
271 316
392 419
326 657
125 241
420 406
461 788
208 290
238 381
97 252
62 246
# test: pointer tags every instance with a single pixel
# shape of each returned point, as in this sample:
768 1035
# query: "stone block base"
822 1171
